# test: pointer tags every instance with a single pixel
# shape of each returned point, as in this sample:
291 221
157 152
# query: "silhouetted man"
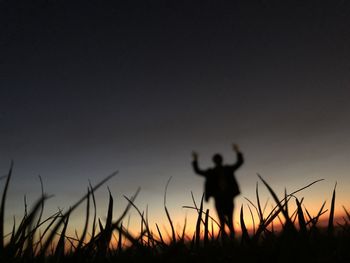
221 184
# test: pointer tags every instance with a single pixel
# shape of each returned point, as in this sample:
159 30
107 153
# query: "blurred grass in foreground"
300 238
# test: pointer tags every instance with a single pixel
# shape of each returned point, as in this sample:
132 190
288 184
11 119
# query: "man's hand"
194 156
235 147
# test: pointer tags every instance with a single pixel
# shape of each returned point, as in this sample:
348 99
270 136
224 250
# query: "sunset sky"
136 86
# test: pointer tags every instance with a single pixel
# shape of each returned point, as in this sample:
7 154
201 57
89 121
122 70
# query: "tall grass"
300 239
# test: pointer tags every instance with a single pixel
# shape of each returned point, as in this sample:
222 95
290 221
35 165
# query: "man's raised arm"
240 159
195 166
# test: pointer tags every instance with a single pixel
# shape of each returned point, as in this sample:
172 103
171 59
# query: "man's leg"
229 215
221 214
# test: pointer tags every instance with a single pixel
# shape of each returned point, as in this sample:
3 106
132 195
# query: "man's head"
217 159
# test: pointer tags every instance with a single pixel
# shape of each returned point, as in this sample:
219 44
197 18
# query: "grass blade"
245 235
301 218
198 224
184 230
95 212
120 238
2 209
197 209
331 213
82 238
43 203
252 216
307 186
59 251
261 216
64 216
108 226
26 226
160 235
286 203
53 219
347 213
168 215
288 223
132 199
143 220
206 228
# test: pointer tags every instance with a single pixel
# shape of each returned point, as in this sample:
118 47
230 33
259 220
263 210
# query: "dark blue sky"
89 88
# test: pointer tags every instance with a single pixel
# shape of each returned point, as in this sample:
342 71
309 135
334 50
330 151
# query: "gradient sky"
89 88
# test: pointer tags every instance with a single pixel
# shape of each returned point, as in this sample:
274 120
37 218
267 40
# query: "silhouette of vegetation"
301 238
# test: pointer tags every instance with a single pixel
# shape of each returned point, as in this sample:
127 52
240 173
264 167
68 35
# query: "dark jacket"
220 180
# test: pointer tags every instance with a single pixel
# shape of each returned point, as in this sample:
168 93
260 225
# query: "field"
301 237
